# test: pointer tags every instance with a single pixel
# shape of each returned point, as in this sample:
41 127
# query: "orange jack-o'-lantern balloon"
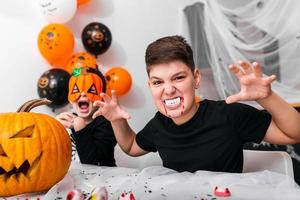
118 79
80 2
82 59
56 44
87 80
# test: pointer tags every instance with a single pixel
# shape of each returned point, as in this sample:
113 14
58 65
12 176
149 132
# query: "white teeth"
172 102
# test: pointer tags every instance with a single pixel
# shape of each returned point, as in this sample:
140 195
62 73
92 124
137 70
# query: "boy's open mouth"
173 103
83 105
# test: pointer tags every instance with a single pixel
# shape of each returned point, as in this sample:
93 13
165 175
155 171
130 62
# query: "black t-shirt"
211 140
95 143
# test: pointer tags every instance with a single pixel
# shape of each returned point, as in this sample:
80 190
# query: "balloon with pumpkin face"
53 85
35 151
81 59
96 38
87 80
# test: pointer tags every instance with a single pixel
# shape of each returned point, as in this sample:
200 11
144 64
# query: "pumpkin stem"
27 106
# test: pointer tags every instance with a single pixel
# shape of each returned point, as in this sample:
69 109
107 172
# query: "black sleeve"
250 123
95 143
145 138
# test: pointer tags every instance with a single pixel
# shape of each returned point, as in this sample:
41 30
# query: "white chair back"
276 161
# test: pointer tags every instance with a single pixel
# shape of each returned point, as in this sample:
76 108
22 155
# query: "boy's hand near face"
254 86
70 120
110 108
66 119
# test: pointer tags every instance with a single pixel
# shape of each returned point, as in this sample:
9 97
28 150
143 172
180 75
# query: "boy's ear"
197 77
148 83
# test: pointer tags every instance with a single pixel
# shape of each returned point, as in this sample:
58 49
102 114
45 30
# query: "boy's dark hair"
168 49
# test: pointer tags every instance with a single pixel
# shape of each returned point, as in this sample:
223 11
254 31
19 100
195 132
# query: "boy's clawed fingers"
98 104
105 97
233 98
114 95
271 78
67 119
125 115
245 69
257 69
254 85
236 70
109 107
97 113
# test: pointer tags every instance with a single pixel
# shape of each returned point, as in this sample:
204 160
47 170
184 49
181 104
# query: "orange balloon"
80 2
81 59
197 99
56 44
118 79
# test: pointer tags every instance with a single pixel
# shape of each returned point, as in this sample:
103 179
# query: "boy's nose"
82 94
169 88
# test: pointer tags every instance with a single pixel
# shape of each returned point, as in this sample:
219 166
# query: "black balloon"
54 85
96 38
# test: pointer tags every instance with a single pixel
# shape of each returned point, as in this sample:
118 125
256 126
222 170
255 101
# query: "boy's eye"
179 77
156 82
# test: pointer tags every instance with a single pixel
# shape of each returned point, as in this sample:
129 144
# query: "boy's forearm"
283 114
124 134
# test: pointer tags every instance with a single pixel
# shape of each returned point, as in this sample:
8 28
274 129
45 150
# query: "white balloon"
58 11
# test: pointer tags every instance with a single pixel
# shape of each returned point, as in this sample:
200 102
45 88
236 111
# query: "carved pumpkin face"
35 152
87 80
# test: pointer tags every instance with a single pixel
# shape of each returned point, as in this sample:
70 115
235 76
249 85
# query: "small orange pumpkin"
87 80
35 151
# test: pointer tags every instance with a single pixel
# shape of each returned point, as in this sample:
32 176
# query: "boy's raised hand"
254 86
66 119
110 108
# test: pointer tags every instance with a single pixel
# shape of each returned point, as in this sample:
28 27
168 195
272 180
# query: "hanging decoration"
223 34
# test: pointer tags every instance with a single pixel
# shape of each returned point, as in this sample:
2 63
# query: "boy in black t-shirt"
207 135
94 138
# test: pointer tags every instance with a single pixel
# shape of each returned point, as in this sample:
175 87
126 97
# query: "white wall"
133 24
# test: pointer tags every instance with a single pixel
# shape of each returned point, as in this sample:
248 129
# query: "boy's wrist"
266 99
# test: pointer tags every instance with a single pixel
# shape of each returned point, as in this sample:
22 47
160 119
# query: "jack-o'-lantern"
81 59
56 44
87 80
118 79
35 151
